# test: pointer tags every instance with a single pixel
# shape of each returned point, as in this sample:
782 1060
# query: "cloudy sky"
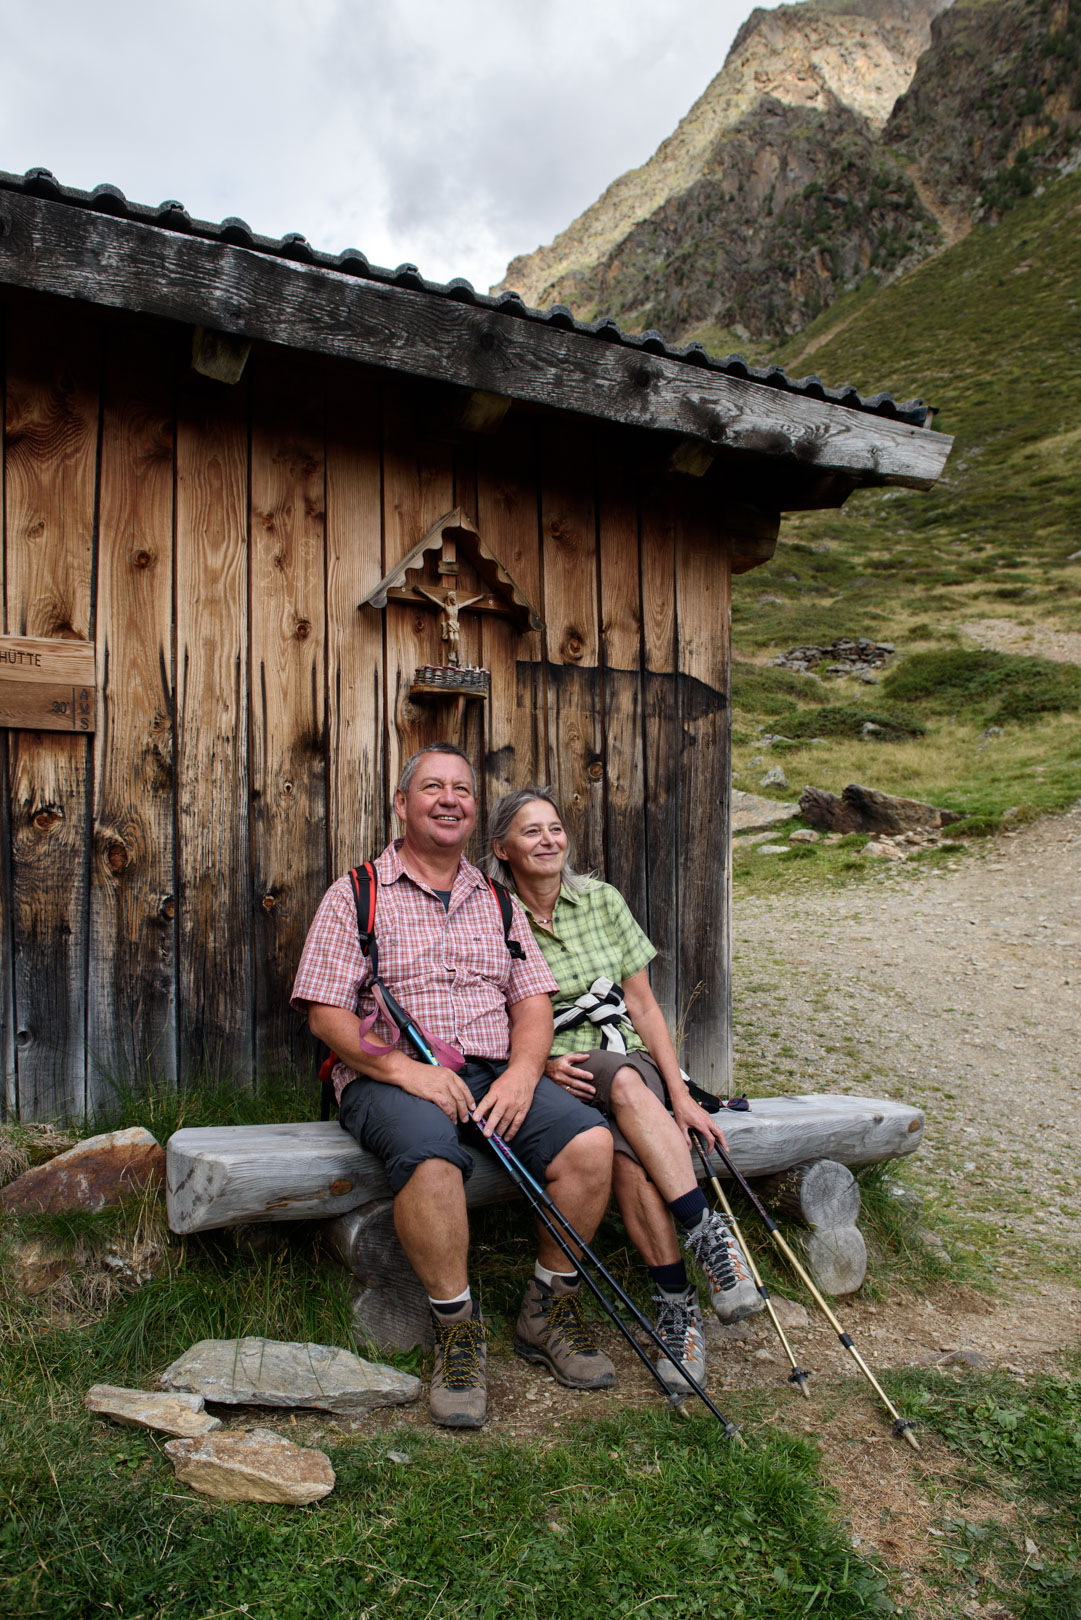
452 134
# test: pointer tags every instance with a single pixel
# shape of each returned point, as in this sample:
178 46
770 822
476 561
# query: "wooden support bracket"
217 355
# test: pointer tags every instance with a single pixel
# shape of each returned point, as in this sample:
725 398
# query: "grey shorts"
404 1131
604 1066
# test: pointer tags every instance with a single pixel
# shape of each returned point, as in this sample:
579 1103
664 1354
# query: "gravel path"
957 990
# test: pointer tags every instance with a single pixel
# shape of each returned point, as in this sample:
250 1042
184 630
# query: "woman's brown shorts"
604 1065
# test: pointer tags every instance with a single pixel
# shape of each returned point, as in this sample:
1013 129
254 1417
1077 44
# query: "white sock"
447 1307
547 1277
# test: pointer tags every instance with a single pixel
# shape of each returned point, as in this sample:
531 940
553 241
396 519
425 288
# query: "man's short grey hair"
412 764
499 825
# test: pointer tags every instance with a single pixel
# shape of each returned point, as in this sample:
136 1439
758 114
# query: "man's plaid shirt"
449 968
594 936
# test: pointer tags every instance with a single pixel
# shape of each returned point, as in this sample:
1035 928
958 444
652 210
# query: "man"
443 955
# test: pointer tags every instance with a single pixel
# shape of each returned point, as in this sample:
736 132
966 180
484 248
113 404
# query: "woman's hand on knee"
568 1074
691 1117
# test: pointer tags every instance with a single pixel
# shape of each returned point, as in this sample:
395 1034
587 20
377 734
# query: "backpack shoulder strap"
506 916
365 886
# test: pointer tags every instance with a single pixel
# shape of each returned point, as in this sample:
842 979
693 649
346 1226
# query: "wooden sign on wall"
46 685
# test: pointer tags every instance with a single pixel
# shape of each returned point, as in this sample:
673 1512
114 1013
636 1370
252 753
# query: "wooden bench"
234 1174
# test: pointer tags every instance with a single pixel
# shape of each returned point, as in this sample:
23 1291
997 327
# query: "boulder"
179 1414
254 1466
861 809
100 1171
774 778
269 1372
790 1313
752 813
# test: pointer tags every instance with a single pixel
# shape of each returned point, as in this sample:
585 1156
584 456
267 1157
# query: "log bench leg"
825 1196
390 1307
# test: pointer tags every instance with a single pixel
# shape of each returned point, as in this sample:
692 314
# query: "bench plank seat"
231 1174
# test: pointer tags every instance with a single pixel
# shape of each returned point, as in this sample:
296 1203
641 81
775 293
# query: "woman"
612 1048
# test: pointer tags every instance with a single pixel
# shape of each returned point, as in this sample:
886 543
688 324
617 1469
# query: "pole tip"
904 1428
733 1433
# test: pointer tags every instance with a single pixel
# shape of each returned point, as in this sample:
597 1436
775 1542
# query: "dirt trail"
956 990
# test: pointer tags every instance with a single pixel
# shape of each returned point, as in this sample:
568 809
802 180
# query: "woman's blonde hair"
499 825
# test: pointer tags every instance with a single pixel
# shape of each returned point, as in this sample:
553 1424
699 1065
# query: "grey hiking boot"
679 1324
458 1398
731 1287
551 1331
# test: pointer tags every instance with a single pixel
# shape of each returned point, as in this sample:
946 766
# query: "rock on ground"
256 1466
752 813
270 1372
180 1414
100 1171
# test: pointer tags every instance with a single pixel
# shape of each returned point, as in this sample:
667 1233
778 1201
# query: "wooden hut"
219 449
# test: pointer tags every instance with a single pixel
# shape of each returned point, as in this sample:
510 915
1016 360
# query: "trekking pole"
901 1426
798 1375
545 1208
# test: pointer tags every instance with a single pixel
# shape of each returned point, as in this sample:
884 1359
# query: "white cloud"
450 135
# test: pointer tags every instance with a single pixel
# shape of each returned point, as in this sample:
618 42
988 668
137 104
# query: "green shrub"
765 690
847 720
1000 687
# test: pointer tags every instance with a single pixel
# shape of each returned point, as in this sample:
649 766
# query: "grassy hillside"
990 333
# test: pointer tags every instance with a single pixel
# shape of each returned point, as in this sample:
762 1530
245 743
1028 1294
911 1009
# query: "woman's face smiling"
536 843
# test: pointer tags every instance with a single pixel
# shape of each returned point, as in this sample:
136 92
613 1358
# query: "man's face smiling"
439 808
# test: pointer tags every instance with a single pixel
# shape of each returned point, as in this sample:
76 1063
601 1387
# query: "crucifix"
449 628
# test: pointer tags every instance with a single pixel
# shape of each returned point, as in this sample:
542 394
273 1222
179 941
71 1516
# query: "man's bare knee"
587 1154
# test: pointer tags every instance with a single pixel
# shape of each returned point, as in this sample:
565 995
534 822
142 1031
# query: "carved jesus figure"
449 628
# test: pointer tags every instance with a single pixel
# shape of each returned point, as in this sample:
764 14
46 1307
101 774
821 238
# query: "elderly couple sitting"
587 1105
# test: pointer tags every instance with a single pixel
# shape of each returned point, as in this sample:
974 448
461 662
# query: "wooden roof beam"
75 253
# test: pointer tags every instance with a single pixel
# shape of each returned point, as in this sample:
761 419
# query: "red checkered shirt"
449 968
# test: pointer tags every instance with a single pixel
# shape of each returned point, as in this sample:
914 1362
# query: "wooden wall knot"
167 907
117 854
269 902
595 771
142 559
572 647
48 817
303 630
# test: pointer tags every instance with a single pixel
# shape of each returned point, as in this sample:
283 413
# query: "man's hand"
441 1086
565 1071
504 1106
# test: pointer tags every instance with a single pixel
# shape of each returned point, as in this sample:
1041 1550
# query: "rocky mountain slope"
841 137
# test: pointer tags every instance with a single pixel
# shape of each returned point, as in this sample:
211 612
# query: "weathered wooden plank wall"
132 1005
215 542
50 454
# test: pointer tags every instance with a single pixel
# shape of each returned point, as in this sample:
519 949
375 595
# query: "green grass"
1021 1442
638 1514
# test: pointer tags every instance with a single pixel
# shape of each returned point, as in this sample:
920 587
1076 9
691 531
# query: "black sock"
670 1279
689 1207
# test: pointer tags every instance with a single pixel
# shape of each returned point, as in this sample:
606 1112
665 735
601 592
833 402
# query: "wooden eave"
495 577
50 247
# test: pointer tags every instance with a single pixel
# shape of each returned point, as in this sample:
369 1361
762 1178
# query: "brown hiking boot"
458 1398
551 1331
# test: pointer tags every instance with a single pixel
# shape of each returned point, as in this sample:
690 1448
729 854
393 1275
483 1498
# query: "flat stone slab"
752 813
179 1414
101 1171
271 1372
255 1466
